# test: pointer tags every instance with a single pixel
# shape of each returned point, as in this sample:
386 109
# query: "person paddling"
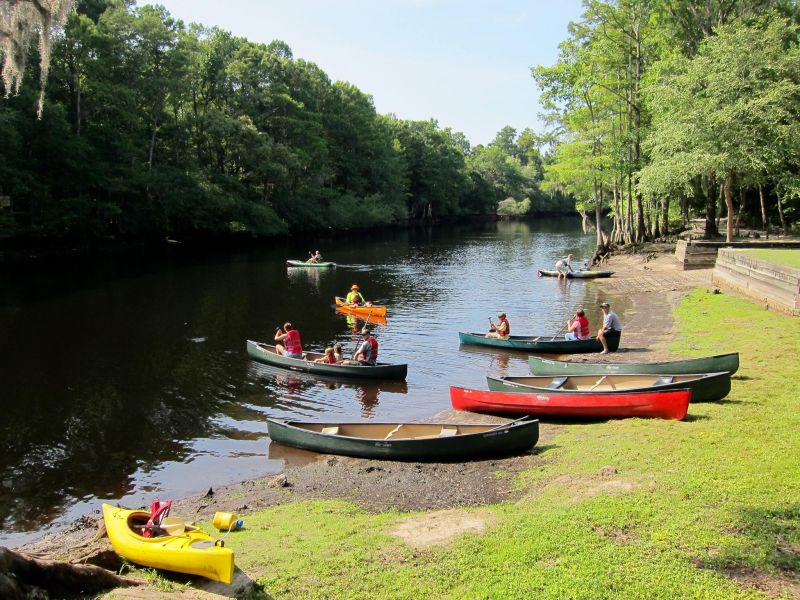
354 298
367 352
291 338
578 327
315 258
500 331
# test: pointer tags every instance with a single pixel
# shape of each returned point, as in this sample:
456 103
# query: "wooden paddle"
559 331
526 417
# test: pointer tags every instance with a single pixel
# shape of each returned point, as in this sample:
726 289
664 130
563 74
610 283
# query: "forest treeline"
662 110
153 128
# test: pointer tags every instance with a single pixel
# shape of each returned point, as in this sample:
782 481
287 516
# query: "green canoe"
706 364
542 343
302 263
408 441
576 274
266 353
705 387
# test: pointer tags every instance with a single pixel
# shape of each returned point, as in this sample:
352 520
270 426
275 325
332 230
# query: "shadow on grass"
743 378
690 418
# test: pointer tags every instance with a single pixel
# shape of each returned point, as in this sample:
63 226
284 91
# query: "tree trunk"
740 211
780 212
23 576
665 216
727 188
711 230
763 211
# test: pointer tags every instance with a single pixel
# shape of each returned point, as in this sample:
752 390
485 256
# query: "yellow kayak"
193 551
375 310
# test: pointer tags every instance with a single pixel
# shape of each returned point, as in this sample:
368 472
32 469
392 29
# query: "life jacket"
373 354
158 510
584 332
354 297
505 333
292 340
331 359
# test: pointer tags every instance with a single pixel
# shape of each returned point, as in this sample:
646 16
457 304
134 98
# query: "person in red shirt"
578 327
291 345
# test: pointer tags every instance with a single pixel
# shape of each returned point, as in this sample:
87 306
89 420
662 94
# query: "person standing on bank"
291 345
611 325
500 331
578 328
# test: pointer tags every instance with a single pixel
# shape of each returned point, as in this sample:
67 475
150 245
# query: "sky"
464 63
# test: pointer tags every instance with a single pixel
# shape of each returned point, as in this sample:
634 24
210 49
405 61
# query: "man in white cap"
611 326
367 352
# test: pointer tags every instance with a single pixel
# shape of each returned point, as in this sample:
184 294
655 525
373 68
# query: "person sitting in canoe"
564 266
329 357
578 327
289 336
611 325
367 353
500 331
315 258
354 298
337 352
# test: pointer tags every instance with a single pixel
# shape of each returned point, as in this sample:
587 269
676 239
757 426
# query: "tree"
20 21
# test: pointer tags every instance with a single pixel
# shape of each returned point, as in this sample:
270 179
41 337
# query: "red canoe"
671 404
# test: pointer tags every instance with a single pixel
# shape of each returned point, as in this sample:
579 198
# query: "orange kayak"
378 310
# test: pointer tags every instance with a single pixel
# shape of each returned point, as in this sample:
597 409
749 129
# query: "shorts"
293 354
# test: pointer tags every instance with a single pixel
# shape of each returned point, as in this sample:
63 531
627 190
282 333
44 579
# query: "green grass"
690 500
787 258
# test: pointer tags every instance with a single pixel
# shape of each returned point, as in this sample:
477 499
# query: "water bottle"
225 521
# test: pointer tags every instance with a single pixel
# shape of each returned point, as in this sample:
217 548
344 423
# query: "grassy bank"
787 258
688 508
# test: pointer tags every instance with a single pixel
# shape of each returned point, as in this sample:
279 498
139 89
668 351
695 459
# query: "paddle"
559 331
509 423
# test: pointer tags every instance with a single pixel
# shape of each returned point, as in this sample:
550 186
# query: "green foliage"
510 207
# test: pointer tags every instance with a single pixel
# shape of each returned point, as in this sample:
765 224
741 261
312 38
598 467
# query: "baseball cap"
605 304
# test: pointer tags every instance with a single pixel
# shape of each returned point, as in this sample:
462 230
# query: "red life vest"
583 333
373 358
331 359
507 332
292 340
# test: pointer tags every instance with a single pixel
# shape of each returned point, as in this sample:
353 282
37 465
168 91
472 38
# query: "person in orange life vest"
367 352
329 358
578 327
500 331
290 337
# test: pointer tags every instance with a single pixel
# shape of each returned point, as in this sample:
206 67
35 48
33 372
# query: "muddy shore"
650 282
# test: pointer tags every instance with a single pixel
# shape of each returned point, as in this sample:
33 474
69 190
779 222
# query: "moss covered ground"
787 258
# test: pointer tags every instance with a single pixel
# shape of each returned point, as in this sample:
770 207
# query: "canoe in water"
671 404
407 441
707 364
193 551
541 343
312 265
266 353
576 274
376 310
705 387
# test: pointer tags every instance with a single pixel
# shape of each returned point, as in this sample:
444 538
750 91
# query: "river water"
125 379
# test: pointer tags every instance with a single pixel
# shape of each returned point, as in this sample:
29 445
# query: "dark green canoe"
266 353
544 344
576 274
706 364
705 387
407 441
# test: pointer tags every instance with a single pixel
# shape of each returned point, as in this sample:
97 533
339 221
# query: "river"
124 379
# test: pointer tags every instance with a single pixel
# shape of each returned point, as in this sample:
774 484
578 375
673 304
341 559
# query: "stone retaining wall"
776 286
702 254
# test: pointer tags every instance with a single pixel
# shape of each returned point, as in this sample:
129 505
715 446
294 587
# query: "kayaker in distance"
578 327
367 352
315 258
291 338
500 331
564 266
611 324
354 298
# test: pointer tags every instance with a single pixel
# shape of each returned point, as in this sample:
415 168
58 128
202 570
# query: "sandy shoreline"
651 284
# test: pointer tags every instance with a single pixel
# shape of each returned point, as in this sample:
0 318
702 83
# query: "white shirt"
611 321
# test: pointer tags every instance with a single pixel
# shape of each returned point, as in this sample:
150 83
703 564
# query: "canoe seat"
557 382
448 431
663 380
334 430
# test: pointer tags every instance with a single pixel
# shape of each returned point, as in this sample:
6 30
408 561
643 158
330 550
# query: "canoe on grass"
707 364
407 441
266 353
193 552
663 405
576 274
541 343
376 310
705 387
312 265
